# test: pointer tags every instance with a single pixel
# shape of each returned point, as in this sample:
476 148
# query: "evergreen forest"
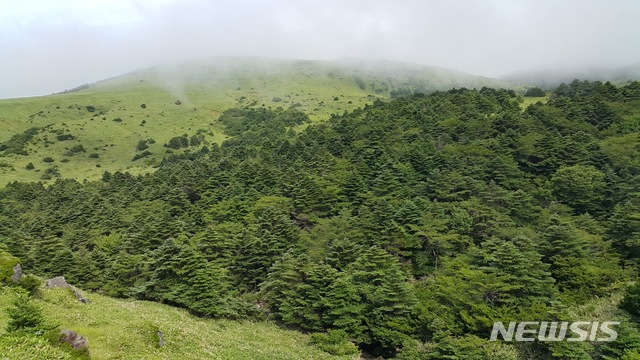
403 229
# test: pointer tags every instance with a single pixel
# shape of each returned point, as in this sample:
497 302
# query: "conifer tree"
85 270
579 260
387 298
341 252
306 307
123 273
24 315
181 276
518 264
582 187
271 236
624 228
214 246
283 278
344 306
50 257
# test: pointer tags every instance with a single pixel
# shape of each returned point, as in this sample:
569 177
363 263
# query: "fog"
48 46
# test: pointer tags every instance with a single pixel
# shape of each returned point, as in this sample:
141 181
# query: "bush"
24 315
534 92
30 283
17 143
64 137
50 173
30 166
196 140
178 142
76 150
48 159
7 262
94 155
335 342
91 108
142 145
244 307
141 155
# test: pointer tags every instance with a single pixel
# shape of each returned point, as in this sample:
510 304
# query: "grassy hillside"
117 329
110 118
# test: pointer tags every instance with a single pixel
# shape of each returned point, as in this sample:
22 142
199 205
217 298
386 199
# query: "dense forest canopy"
407 227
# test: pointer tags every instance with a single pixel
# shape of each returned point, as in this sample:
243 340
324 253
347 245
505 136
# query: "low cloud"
49 46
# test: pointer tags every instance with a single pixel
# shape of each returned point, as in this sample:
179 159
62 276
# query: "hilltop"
551 78
122 123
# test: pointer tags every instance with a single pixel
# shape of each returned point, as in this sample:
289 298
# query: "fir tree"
25 316
518 264
344 306
305 307
387 298
283 278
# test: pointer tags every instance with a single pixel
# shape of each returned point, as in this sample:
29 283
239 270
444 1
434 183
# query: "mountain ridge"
358 67
551 78
102 124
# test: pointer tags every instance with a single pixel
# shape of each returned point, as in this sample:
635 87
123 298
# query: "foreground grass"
127 329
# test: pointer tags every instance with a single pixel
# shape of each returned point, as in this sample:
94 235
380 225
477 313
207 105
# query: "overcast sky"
48 46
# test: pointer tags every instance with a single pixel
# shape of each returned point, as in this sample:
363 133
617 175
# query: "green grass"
114 142
205 90
526 101
126 329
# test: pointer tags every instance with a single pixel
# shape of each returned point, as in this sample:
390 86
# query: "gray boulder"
76 341
56 282
17 273
60 282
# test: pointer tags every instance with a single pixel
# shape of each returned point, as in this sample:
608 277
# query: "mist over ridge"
209 72
54 46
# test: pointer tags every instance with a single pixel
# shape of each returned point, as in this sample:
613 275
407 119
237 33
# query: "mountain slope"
416 222
98 127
